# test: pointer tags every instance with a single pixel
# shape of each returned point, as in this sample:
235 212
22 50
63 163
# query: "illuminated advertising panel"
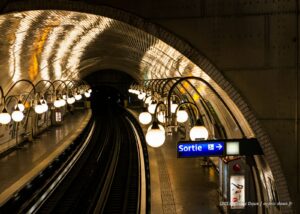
58 116
237 192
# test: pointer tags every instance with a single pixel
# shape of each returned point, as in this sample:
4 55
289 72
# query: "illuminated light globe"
17 115
148 100
71 100
20 106
90 90
182 116
151 108
155 137
63 102
173 107
78 96
57 103
199 131
39 109
64 97
87 94
5 117
141 96
145 118
45 106
161 117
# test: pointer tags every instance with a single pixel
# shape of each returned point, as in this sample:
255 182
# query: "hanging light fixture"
161 117
163 95
39 109
70 100
199 131
173 107
141 95
57 103
62 102
78 96
148 99
44 105
155 136
182 116
145 118
5 117
87 94
20 105
17 115
151 107
159 126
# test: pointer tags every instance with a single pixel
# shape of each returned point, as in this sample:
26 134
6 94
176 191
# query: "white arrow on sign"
219 146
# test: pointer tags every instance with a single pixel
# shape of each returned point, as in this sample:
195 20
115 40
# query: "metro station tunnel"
149 106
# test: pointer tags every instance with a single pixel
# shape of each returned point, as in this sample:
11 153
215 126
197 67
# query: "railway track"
100 173
103 176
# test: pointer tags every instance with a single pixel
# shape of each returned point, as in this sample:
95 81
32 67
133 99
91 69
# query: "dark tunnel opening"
110 86
106 94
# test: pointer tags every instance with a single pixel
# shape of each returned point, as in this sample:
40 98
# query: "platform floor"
181 185
21 165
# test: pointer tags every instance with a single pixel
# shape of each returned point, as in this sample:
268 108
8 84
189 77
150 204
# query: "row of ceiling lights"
162 119
68 95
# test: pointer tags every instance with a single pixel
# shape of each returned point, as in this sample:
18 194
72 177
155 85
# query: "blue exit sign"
200 149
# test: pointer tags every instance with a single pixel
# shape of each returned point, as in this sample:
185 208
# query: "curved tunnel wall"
130 65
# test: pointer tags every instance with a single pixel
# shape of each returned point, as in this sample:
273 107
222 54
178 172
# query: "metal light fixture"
71 100
199 131
41 106
78 96
57 103
161 117
145 118
87 94
20 105
17 115
155 136
141 95
151 107
5 117
173 107
63 102
39 109
182 116
44 105
148 100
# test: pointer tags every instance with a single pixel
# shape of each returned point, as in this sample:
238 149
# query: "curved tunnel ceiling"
57 44
49 44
